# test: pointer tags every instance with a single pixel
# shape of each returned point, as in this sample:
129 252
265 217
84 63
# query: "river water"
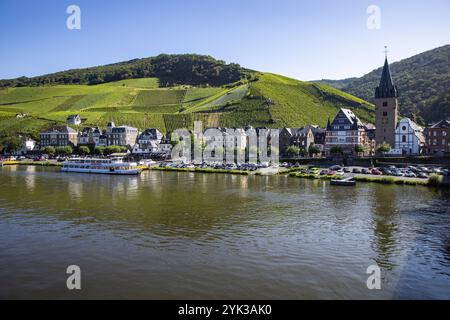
174 235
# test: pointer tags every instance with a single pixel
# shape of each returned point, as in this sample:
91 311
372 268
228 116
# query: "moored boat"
344 182
114 166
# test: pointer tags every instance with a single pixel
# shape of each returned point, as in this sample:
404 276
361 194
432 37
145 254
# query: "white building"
28 145
74 119
148 142
409 138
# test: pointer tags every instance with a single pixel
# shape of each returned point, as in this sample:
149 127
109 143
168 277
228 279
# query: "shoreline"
431 182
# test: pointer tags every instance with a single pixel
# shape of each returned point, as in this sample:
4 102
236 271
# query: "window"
385 104
404 128
403 138
384 113
444 133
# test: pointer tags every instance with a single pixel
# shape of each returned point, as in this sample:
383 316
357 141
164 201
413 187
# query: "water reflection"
224 235
384 224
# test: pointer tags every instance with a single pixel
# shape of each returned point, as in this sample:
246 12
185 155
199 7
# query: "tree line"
188 69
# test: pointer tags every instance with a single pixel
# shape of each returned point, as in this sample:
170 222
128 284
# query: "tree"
84 150
336 150
384 147
64 151
12 144
313 150
359 149
293 150
100 150
49 150
114 149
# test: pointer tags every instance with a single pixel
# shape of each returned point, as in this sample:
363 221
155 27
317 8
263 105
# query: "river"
176 235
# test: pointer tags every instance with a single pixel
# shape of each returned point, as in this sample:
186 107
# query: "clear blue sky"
303 39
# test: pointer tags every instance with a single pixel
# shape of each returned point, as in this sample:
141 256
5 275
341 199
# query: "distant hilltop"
187 69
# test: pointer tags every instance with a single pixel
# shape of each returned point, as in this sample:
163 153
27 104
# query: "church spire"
386 89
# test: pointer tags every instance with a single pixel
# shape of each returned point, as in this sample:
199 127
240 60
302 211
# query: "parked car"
347 170
356 170
422 175
397 173
324 172
39 158
340 172
376 172
365 171
410 174
336 168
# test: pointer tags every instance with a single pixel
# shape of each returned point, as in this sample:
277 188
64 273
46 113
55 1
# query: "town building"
148 142
90 136
122 136
386 108
345 133
58 136
437 138
165 145
74 119
302 138
409 138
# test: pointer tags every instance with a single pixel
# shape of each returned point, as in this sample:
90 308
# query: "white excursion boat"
106 166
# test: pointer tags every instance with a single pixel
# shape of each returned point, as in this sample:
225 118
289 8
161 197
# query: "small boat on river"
347 182
114 166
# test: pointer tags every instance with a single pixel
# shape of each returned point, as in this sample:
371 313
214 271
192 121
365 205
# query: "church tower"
386 108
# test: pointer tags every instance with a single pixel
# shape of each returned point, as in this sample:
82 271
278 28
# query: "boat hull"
344 183
103 171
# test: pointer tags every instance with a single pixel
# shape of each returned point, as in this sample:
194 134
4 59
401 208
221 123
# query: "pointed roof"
387 88
443 124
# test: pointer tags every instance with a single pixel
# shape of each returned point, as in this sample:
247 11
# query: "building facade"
386 108
345 133
90 136
58 136
148 142
437 138
409 138
122 136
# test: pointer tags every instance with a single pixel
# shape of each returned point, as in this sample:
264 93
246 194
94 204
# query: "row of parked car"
205 165
409 172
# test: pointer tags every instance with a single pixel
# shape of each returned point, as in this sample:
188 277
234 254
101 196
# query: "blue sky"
302 39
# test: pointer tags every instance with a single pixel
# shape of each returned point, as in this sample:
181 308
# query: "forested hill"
423 82
187 69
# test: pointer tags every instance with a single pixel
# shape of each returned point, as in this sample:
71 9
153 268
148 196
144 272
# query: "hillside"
271 100
261 99
423 82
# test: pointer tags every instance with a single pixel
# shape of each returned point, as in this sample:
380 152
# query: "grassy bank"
314 176
33 163
434 181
